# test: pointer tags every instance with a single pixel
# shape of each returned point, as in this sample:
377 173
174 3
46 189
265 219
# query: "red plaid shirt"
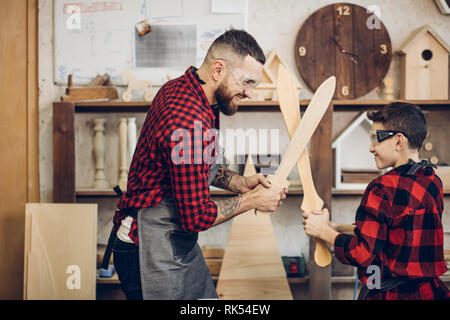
178 126
399 229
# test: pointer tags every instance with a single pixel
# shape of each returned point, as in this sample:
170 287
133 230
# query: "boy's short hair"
404 117
240 42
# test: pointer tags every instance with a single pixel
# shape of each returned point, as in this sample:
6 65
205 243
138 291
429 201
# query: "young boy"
398 228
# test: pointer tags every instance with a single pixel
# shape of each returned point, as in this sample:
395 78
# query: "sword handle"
275 180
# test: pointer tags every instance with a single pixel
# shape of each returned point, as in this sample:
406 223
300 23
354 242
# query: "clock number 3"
343 10
383 49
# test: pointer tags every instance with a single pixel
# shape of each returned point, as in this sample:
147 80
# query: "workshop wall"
274 24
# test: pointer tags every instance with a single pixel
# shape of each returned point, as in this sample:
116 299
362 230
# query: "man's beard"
224 99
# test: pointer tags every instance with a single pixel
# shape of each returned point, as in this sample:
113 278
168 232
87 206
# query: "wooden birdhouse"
354 165
424 65
266 90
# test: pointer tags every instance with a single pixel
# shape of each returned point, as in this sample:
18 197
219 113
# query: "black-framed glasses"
377 136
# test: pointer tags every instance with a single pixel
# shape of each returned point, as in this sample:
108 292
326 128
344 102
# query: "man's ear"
217 70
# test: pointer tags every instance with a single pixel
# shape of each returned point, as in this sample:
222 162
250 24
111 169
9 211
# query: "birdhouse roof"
344 134
419 34
272 62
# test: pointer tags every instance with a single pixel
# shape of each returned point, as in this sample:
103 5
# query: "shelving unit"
64 114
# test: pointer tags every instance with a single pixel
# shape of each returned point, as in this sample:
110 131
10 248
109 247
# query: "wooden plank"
324 27
252 268
304 53
344 67
14 80
32 102
213 252
63 152
381 44
363 46
447 255
90 93
61 256
214 266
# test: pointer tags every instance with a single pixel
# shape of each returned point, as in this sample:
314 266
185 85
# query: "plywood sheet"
60 251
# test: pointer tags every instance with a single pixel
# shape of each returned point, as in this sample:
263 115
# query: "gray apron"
171 262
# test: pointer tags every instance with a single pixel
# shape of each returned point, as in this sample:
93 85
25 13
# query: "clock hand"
353 57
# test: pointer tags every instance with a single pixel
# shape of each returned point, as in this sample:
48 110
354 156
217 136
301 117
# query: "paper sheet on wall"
227 6
165 8
101 37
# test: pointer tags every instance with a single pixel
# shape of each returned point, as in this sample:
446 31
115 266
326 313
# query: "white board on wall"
96 37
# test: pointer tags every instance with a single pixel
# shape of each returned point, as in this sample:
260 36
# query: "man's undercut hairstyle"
235 42
403 117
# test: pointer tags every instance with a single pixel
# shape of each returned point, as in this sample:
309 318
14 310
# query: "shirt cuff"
340 245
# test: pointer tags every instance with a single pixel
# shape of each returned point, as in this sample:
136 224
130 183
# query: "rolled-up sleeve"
370 232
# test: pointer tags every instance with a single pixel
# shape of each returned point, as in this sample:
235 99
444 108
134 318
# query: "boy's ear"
401 141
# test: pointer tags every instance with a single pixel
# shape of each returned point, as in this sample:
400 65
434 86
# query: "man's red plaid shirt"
399 229
180 106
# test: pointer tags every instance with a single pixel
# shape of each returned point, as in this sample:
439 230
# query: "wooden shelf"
65 191
305 280
344 192
113 280
112 106
95 193
339 105
110 193
223 193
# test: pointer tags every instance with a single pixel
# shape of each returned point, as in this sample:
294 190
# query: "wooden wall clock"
342 40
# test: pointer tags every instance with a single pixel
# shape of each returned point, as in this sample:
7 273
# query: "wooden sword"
314 113
288 98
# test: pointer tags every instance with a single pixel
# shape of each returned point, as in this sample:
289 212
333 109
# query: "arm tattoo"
229 206
223 177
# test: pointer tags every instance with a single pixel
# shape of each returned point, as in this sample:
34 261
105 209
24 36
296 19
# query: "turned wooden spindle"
99 152
123 154
131 139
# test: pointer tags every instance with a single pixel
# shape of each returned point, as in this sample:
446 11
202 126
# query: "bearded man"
168 201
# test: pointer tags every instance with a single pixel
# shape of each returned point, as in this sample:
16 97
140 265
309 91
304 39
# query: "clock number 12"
343 10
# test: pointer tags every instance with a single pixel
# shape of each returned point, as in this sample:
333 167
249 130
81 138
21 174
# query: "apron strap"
385 285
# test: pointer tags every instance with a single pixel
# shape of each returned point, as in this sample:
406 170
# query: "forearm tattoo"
223 177
229 206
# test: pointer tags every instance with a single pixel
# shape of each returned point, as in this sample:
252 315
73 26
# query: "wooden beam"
18 115
32 103
63 152
322 172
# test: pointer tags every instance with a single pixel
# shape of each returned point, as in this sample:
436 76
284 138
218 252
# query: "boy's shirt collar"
413 167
